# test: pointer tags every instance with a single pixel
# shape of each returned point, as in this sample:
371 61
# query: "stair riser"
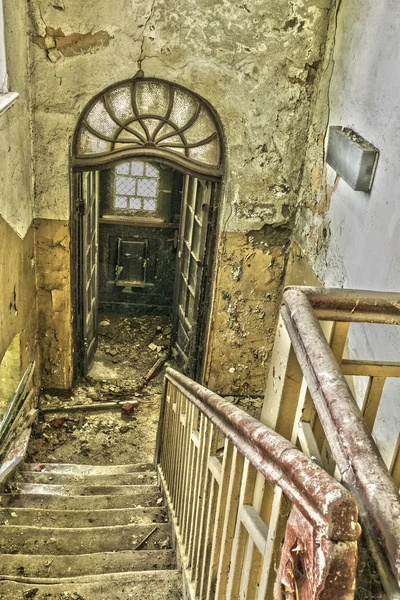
84 490
63 566
82 541
88 480
81 518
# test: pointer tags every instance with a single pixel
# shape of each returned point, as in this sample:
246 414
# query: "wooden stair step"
77 469
138 478
39 517
83 490
64 566
150 585
149 497
84 540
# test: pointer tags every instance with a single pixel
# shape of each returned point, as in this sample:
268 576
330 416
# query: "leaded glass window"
136 186
151 116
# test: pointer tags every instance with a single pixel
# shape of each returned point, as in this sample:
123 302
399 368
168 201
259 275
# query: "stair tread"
43 477
83 490
89 469
64 566
100 501
82 540
82 518
149 585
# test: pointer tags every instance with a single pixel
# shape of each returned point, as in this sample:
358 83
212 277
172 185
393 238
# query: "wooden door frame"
200 341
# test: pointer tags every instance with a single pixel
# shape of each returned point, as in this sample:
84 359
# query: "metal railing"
16 425
308 401
254 517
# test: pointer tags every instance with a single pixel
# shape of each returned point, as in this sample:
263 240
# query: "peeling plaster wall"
52 241
255 62
242 328
15 144
17 265
18 295
352 239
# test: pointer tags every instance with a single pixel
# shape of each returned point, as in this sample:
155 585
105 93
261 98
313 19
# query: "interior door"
190 269
89 217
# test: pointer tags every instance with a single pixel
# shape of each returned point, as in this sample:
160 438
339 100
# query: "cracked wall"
17 262
255 62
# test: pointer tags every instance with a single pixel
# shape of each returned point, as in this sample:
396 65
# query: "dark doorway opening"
144 248
147 159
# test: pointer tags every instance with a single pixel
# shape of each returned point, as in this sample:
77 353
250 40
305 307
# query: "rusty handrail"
362 468
323 501
355 306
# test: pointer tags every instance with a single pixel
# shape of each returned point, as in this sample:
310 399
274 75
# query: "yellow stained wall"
52 242
18 294
17 265
244 312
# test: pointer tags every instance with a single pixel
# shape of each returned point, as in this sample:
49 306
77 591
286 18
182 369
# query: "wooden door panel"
89 191
190 269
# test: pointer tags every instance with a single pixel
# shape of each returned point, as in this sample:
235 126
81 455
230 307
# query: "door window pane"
122 169
136 187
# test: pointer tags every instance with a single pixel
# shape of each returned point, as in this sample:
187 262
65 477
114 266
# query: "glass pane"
135 203
137 168
125 185
192 191
185 261
183 108
121 102
193 273
151 171
199 201
196 239
182 293
90 144
123 169
151 125
208 153
121 202
201 129
152 97
147 187
182 338
165 129
149 204
190 308
188 225
99 120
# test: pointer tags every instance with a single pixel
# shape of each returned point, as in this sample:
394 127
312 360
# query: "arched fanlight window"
150 118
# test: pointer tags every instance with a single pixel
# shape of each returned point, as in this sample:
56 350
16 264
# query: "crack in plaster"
142 55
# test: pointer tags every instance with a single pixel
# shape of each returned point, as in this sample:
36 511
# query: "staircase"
80 532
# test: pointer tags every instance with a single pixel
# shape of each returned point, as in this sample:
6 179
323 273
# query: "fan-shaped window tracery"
150 117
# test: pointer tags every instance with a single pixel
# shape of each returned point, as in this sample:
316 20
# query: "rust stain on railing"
322 526
353 448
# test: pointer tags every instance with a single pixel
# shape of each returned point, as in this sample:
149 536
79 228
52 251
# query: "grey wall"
352 238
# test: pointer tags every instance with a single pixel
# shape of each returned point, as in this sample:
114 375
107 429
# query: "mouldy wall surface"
352 239
254 62
17 298
17 279
242 328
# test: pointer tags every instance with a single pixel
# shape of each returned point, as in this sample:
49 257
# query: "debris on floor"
125 372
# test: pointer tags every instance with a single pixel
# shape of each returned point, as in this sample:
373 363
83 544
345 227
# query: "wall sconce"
352 157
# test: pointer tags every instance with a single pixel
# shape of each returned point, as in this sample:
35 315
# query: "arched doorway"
146 160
